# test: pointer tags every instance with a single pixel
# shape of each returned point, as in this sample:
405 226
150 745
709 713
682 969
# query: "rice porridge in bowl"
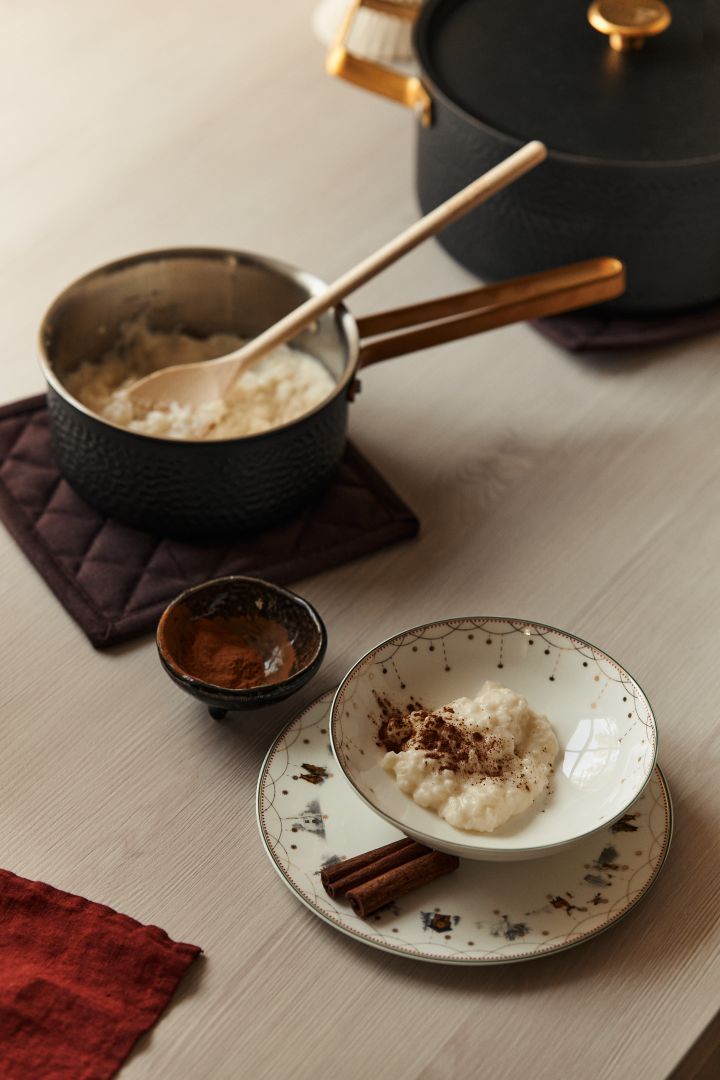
476 761
492 738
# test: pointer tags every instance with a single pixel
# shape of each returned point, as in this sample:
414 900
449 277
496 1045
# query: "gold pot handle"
406 89
434 322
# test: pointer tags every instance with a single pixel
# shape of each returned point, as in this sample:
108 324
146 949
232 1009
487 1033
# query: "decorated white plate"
483 913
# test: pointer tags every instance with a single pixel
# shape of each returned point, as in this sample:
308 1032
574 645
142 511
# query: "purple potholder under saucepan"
582 331
115 581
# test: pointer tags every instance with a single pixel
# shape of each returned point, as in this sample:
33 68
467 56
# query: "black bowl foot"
216 713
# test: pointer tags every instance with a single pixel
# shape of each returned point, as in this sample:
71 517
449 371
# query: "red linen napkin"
79 983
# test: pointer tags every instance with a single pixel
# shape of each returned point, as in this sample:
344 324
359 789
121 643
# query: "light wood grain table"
580 491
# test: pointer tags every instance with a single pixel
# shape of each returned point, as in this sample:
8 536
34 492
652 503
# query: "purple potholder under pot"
116 581
598 328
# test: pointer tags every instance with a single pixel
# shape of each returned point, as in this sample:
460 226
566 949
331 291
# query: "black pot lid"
537 69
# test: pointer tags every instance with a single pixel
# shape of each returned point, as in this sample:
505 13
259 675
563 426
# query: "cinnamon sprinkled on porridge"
476 761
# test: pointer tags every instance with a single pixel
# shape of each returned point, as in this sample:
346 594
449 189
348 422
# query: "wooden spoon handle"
475 193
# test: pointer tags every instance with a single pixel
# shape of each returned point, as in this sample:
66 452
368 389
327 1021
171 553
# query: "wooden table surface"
579 491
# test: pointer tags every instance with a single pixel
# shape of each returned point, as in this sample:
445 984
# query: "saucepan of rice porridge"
272 442
240 463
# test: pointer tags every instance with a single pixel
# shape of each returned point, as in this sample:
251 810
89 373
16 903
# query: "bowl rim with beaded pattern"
425 825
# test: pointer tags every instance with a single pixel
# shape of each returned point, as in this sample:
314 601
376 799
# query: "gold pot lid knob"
629 22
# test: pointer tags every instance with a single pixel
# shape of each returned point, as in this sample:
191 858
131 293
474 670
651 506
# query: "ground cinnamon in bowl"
237 653
214 655
240 643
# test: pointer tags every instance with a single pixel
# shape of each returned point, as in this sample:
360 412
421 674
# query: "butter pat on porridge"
476 761
277 389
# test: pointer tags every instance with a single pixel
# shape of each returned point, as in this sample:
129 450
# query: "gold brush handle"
406 89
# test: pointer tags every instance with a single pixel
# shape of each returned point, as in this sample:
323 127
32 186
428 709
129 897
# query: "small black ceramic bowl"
284 629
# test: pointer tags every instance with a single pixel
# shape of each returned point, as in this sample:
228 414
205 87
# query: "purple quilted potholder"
595 328
115 581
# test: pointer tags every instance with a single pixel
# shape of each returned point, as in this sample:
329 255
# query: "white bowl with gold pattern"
602 719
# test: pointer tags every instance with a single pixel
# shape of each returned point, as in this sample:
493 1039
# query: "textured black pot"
193 488
633 166
663 223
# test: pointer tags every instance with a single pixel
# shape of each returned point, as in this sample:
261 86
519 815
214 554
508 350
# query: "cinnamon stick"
374 894
329 874
402 855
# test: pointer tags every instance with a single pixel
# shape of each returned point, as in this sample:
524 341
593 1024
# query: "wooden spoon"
198 383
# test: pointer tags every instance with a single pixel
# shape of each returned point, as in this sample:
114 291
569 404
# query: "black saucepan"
208 488
633 133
